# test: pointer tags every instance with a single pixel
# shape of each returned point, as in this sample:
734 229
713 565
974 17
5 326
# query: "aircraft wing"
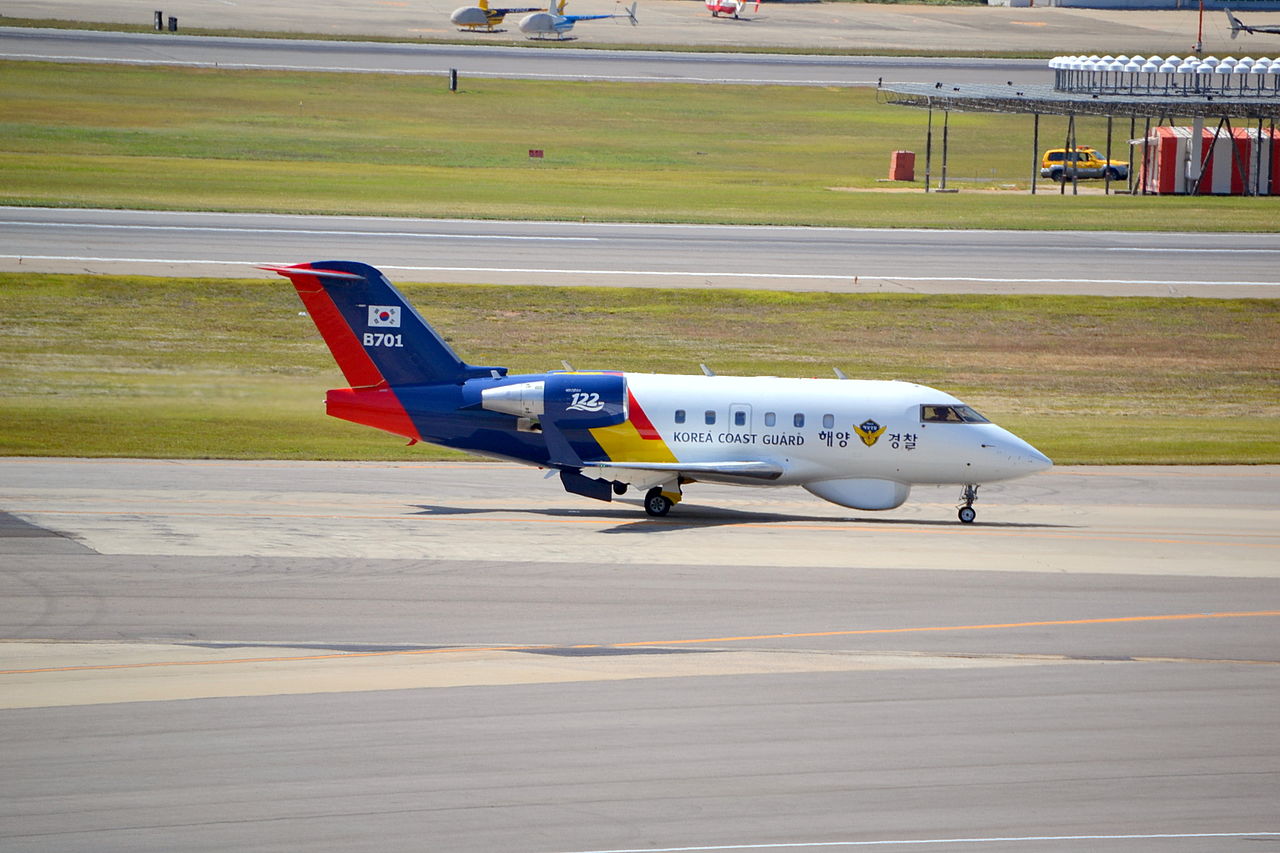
754 470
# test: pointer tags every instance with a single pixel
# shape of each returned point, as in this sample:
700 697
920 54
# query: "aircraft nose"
1033 461
1016 457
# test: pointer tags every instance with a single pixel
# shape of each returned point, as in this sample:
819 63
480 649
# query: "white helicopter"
483 18
557 23
1237 25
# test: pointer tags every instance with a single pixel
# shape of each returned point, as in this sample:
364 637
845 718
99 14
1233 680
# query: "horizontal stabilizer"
292 270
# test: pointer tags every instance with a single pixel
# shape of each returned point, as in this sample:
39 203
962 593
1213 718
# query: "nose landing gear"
967 512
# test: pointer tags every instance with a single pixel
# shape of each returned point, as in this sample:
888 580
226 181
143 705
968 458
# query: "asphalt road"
505 62
380 657
834 259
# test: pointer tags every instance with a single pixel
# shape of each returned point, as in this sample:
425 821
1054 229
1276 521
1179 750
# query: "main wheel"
656 503
967 514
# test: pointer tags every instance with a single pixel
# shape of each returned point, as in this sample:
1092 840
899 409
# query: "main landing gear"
967 512
658 502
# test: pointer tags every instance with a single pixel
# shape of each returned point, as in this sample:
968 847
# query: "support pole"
1035 151
1075 172
1106 173
946 126
1257 159
928 151
1195 166
1146 156
1066 155
1133 122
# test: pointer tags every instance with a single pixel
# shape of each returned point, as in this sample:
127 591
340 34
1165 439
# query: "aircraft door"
740 417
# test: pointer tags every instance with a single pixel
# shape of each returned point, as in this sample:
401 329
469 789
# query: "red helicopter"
728 7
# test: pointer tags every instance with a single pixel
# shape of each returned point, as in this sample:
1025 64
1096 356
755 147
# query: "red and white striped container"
1231 162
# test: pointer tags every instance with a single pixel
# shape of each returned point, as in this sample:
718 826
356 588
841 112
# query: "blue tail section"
375 335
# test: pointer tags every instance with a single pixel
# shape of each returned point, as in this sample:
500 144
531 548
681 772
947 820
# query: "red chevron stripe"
640 420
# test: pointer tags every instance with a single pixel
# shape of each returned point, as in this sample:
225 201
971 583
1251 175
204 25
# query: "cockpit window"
950 415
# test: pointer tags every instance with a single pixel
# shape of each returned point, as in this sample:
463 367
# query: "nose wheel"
967 513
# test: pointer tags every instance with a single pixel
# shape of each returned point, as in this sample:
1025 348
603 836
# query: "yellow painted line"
685 642
993 627
472 517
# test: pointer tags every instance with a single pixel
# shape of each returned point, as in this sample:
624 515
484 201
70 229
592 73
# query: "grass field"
86 135
131 366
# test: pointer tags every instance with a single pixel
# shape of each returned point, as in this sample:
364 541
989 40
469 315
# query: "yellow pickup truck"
1062 164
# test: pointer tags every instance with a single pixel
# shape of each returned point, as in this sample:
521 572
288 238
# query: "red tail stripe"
356 366
640 420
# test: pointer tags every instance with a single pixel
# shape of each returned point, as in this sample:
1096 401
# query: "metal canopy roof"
1046 100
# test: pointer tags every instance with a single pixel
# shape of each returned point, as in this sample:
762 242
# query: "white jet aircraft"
857 443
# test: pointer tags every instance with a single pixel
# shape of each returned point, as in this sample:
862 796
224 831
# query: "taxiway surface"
460 656
492 61
835 26
567 253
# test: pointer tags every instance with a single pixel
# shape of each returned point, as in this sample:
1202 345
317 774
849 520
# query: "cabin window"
711 417
828 421
950 415
679 416
770 418
798 420
739 418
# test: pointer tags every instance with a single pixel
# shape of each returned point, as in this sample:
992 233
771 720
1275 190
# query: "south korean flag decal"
384 315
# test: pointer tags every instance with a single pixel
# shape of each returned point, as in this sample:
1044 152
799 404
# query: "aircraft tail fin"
631 13
375 335
1236 26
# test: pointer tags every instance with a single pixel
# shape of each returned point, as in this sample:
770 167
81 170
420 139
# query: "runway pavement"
565 253
489 60
455 656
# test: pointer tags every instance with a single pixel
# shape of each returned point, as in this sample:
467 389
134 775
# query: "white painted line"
1164 251
323 233
1020 840
679 273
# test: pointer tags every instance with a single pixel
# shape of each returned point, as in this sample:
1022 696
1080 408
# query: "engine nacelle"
564 400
